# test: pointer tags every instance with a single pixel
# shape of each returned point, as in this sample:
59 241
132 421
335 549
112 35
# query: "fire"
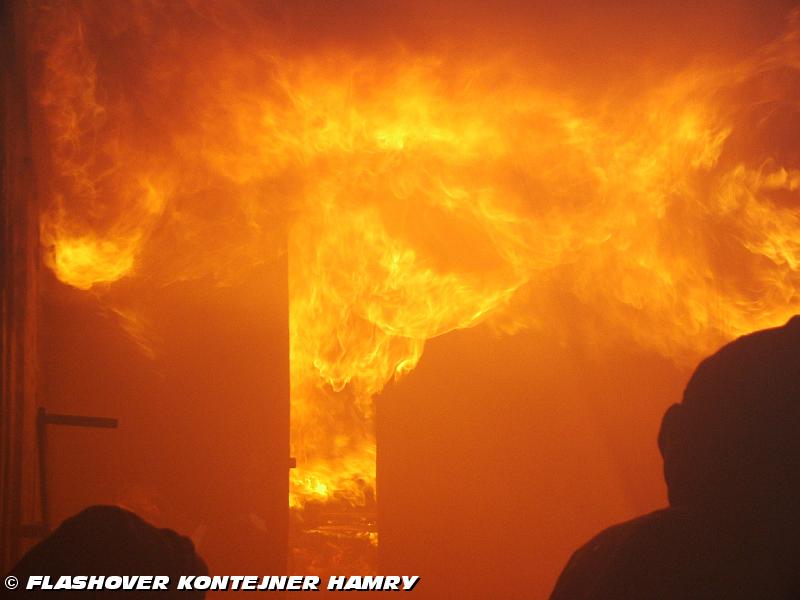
102 204
428 193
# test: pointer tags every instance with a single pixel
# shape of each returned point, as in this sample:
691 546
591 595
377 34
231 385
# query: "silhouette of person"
731 455
108 540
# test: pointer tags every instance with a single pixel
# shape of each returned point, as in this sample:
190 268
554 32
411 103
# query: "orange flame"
430 193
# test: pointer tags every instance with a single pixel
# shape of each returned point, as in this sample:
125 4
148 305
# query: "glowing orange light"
429 194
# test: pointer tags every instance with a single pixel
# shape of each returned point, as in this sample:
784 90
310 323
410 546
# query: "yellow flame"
430 193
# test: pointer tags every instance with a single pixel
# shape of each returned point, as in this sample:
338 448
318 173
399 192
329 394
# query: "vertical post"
18 291
41 439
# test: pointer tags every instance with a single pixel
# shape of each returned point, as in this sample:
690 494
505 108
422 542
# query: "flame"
428 193
102 205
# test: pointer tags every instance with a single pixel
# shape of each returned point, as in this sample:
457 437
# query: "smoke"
426 174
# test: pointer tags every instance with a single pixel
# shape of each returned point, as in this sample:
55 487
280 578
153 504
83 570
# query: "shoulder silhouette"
731 453
109 541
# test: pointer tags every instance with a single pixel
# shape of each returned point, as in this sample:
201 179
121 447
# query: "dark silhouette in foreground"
731 454
107 540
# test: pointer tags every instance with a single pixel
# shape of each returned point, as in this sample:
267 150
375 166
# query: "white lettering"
353 583
392 583
250 582
335 582
114 582
409 582
371 582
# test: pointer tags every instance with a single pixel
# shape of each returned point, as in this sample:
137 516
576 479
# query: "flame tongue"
428 195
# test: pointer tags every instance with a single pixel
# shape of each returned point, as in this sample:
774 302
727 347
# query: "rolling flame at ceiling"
426 192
